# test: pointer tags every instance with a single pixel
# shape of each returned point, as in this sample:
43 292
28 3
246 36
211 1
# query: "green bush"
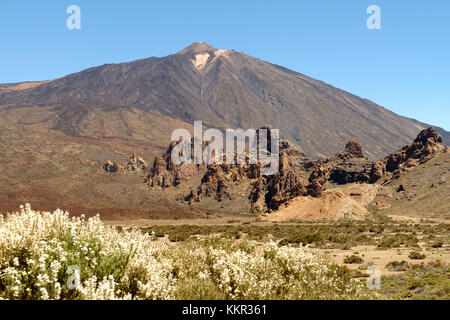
395 241
437 244
397 265
414 255
353 259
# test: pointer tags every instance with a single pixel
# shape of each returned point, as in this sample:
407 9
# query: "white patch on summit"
219 53
200 60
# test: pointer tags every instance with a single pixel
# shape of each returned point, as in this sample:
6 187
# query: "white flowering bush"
54 256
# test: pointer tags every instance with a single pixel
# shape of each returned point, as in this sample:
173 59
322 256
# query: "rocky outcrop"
427 144
354 149
317 180
348 166
296 176
351 171
285 184
219 178
377 171
164 173
272 191
425 147
134 165
112 167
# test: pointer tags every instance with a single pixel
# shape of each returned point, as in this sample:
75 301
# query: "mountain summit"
198 47
223 89
67 142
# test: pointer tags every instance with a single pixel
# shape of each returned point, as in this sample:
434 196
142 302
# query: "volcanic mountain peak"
224 89
201 54
198 47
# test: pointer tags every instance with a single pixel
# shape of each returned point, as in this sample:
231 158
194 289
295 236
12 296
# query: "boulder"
112 167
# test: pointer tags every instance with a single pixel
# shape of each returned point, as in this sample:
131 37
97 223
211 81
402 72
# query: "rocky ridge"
297 176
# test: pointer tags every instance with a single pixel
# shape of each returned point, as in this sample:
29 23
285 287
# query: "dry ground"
379 243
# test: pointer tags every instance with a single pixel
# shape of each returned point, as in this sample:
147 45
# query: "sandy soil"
142 223
349 201
373 255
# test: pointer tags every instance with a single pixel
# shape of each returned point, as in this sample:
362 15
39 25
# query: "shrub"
38 249
437 244
178 237
416 255
353 259
397 240
397 265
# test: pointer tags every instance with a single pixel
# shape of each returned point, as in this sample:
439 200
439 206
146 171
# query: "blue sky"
404 67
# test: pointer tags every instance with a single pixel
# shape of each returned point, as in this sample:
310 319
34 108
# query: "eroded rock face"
377 171
257 196
297 175
136 164
317 180
354 149
348 166
279 188
351 171
425 146
270 192
219 178
164 173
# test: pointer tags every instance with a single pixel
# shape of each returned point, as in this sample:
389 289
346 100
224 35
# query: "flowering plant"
53 256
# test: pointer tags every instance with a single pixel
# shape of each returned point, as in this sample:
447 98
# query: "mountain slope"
224 89
55 136
427 191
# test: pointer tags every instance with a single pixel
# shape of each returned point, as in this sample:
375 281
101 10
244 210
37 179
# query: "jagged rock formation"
377 171
348 166
297 175
164 173
336 197
353 149
427 144
134 165
218 178
279 188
